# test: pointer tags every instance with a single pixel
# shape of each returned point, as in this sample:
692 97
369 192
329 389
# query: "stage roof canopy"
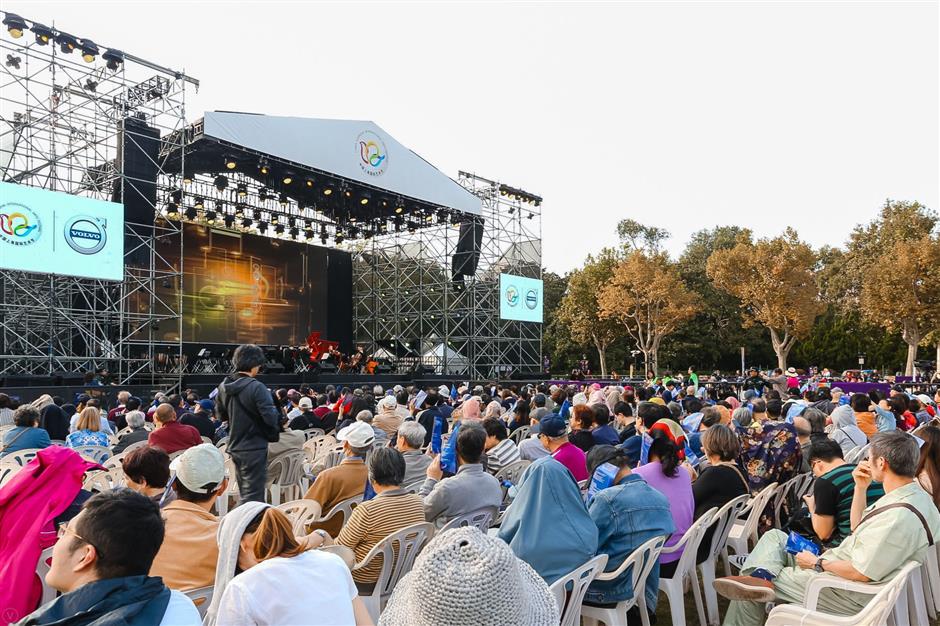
358 151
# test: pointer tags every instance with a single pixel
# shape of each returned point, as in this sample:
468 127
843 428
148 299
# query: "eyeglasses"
63 528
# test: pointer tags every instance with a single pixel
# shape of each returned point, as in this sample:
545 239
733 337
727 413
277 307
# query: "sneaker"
745 588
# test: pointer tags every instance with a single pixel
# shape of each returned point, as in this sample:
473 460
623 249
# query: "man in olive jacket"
253 421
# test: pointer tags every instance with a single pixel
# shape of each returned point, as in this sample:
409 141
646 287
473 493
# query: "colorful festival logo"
373 157
86 234
19 225
512 295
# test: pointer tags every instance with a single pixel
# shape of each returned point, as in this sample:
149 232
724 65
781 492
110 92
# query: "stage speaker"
467 254
138 149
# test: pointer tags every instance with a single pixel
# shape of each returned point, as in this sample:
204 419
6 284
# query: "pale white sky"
682 115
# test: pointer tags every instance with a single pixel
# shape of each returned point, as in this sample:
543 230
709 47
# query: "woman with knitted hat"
465 578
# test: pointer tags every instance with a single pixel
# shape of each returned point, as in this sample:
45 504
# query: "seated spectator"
279 580
147 471
169 434
582 418
189 554
381 437
135 420
830 505
554 437
548 526
618 536
201 419
719 483
603 433
883 539
52 417
409 441
347 479
388 419
928 468
100 564
845 431
664 473
389 511
481 570
26 434
88 431
500 449
470 489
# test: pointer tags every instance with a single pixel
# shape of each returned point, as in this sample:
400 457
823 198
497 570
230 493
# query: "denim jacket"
627 515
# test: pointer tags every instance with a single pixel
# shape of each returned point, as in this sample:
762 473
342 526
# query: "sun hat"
486 585
305 403
201 469
358 434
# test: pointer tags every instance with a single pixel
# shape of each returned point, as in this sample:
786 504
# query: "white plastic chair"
674 587
201 597
95 454
398 552
480 518
301 513
569 601
744 532
640 563
887 596
285 471
722 521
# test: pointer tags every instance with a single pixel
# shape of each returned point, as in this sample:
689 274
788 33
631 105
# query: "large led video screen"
520 298
251 289
51 232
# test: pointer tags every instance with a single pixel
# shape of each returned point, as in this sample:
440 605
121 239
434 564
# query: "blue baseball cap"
207 405
553 425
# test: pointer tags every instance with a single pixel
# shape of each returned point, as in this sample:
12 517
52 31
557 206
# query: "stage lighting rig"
15 25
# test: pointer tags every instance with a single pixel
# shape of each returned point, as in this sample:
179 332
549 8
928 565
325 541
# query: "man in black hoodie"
253 421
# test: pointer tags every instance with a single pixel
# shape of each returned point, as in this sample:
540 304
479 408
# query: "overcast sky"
682 115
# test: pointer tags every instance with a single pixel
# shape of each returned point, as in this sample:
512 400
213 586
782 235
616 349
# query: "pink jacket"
28 504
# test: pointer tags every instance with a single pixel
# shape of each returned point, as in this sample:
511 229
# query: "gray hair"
413 432
364 416
898 449
135 419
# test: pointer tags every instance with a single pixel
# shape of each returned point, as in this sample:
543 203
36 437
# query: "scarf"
126 601
229 537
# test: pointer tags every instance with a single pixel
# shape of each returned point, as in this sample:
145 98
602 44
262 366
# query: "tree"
901 292
774 280
647 297
579 308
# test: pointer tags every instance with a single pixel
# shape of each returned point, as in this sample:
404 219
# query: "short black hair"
386 467
495 428
247 356
125 529
825 450
470 444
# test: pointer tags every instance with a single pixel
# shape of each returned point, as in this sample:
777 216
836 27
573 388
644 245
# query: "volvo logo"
86 234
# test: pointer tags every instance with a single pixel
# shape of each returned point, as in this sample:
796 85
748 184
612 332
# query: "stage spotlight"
66 42
279 229
191 213
90 85
43 34
283 200
308 182
288 177
210 217
89 50
15 25
199 203
264 168
14 62
242 190
114 58
230 163
221 182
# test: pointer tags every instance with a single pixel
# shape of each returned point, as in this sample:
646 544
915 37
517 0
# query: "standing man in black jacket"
253 421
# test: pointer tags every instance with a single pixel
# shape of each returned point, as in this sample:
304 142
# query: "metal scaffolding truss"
62 123
408 305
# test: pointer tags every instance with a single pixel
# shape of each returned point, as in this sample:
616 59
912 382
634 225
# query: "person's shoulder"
180 611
